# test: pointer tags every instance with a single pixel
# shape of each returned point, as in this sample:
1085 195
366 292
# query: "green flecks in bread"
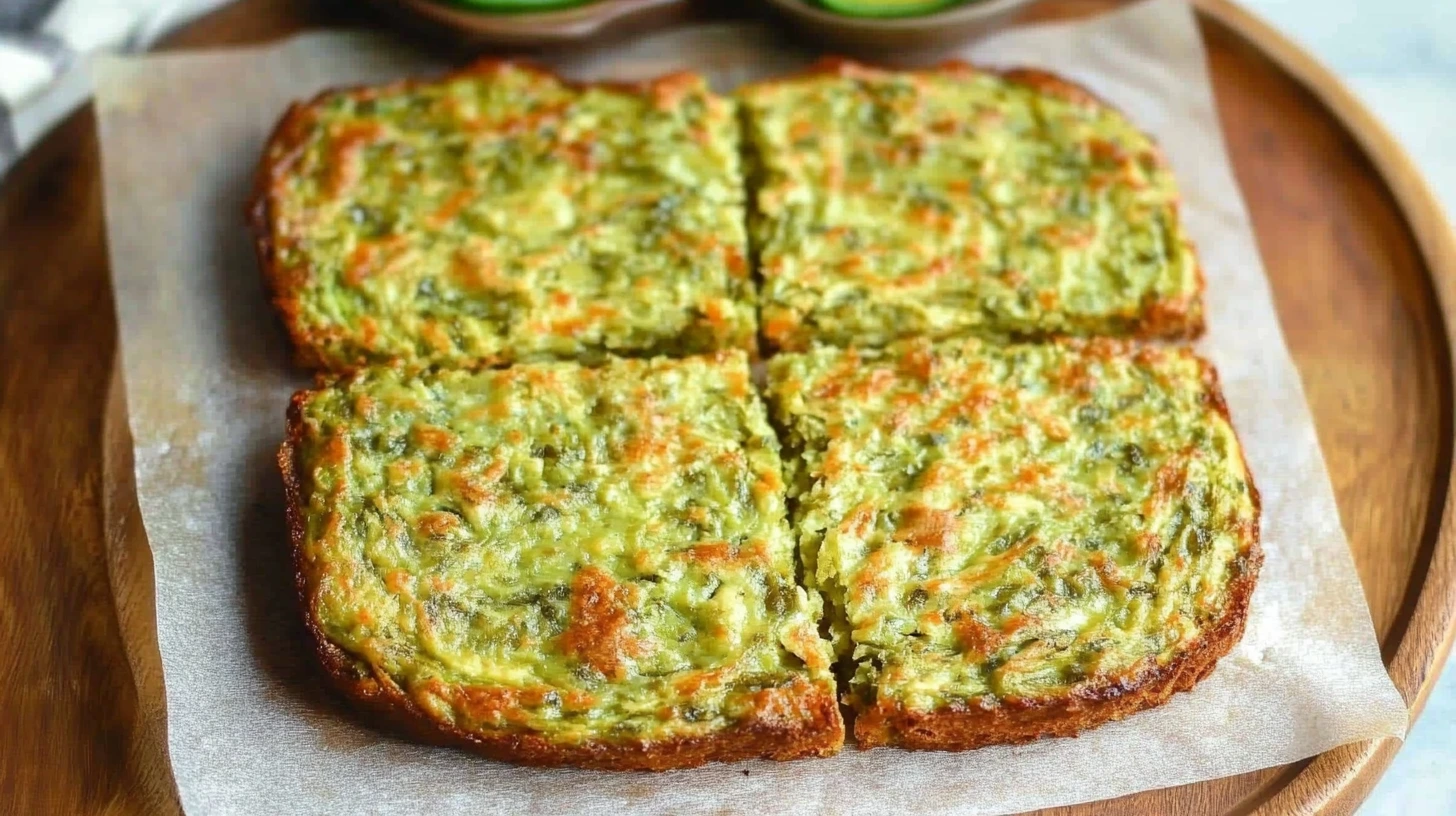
502 214
1004 527
591 557
562 564
953 202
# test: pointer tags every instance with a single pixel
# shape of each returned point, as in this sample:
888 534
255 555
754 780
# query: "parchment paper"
208 378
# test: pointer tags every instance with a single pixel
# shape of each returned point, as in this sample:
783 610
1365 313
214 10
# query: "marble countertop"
1400 57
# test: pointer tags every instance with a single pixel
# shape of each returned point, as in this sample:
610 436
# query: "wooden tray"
1364 272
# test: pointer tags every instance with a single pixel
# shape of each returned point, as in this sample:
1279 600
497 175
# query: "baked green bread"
956 201
552 564
1017 541
501 214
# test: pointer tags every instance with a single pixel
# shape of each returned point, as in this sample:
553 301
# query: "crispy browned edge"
373 691
1164 319
946 729
1018 721
280 154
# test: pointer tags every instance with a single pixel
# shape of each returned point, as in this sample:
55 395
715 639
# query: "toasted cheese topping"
581 553
502 214
958 202
995 523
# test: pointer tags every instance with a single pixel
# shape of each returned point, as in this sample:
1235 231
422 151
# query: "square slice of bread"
502 214
955 201
1017 541
558 565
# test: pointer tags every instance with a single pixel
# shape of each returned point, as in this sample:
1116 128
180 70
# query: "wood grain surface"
1363 266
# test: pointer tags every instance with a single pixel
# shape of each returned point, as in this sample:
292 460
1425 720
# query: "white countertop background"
1400 57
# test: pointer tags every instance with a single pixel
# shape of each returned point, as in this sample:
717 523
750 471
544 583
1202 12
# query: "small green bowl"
941 29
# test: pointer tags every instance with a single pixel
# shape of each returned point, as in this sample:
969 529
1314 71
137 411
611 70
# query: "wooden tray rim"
1338 780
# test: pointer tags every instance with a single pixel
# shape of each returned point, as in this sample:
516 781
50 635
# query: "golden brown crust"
1172 319
822 732
1018 721
1036 78
1169 319
814 727
279 156
281 153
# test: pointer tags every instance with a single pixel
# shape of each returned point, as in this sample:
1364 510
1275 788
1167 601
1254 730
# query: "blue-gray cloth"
19 21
